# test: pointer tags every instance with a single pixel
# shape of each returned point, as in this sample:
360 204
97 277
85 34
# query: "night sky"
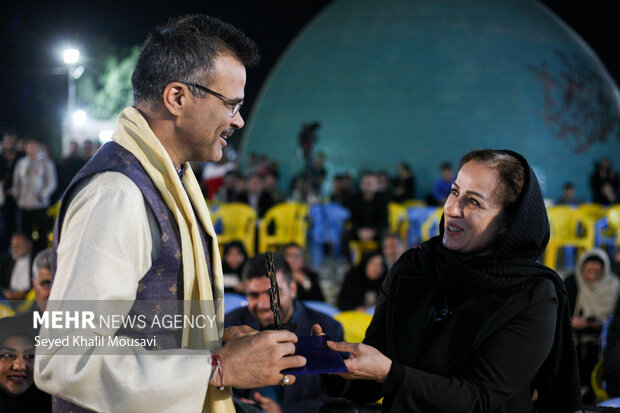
34 33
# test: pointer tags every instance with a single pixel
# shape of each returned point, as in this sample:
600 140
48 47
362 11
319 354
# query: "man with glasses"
133 225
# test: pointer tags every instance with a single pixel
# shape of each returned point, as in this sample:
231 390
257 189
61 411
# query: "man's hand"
256 360
237 332
365 362
268 405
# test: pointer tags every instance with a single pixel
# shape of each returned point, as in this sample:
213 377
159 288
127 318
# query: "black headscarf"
513 260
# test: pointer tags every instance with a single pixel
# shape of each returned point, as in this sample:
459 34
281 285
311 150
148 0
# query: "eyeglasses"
232 105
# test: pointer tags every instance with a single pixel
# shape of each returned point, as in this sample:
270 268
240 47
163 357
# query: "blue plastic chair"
327 226
610 403
417 216
233 301
322 307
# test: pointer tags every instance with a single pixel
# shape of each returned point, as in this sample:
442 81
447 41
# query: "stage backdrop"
427 81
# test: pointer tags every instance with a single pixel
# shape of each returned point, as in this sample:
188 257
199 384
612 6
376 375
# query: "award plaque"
319 358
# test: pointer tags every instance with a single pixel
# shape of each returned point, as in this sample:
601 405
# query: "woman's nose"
19 363
452 207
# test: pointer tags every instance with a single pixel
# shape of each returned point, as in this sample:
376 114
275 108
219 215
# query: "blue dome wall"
426 82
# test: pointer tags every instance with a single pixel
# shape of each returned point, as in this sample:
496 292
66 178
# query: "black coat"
482 359
476 333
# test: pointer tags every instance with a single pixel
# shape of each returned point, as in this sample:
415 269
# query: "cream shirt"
105 249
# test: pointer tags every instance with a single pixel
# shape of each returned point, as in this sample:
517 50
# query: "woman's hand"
365 362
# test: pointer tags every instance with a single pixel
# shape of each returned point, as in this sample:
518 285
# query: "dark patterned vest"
160 291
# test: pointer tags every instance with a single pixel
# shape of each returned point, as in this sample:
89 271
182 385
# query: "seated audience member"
308 287
15 268
615 261
568 195
384 187
233 260
18 393
361 284
307 393
592 295
391 248
442 186
230 191
611 356
42 278
271 187
341 191
369 212
404 183
255 196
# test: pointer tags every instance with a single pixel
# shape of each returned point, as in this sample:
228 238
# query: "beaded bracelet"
217 362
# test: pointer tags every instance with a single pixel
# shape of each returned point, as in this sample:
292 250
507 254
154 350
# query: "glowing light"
105 135
79 117
71 56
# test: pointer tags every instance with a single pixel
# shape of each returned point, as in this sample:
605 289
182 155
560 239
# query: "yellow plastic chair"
413 203
613 220
289 221
430 227
588 214
596 380
6 311
354 324
398 221
359 248
565 222
238 222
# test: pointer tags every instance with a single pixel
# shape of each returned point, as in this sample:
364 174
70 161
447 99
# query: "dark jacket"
307 394
476 334
611 356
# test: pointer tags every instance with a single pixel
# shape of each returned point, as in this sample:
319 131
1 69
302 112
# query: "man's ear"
174 97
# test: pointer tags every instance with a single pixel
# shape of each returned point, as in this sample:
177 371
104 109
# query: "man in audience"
134 227
34 181
369 212
42 278
229 191
391 248
255 196
8 159
568 195
15 268
307 394
442 186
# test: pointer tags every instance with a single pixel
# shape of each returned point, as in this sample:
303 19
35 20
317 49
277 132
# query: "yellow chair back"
289 223
413 203
613 219
354 324
430 227
398 221
564 223
596 380
238 222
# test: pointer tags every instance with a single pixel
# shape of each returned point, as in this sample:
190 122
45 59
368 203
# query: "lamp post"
70 57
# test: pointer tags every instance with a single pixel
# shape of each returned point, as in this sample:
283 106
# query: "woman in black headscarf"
471 322
234 259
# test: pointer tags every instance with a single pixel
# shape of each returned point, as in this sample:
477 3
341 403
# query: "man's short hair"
42 260
256 267
185 50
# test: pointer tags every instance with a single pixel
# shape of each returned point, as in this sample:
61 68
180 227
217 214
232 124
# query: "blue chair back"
233 301
417 216
322 307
